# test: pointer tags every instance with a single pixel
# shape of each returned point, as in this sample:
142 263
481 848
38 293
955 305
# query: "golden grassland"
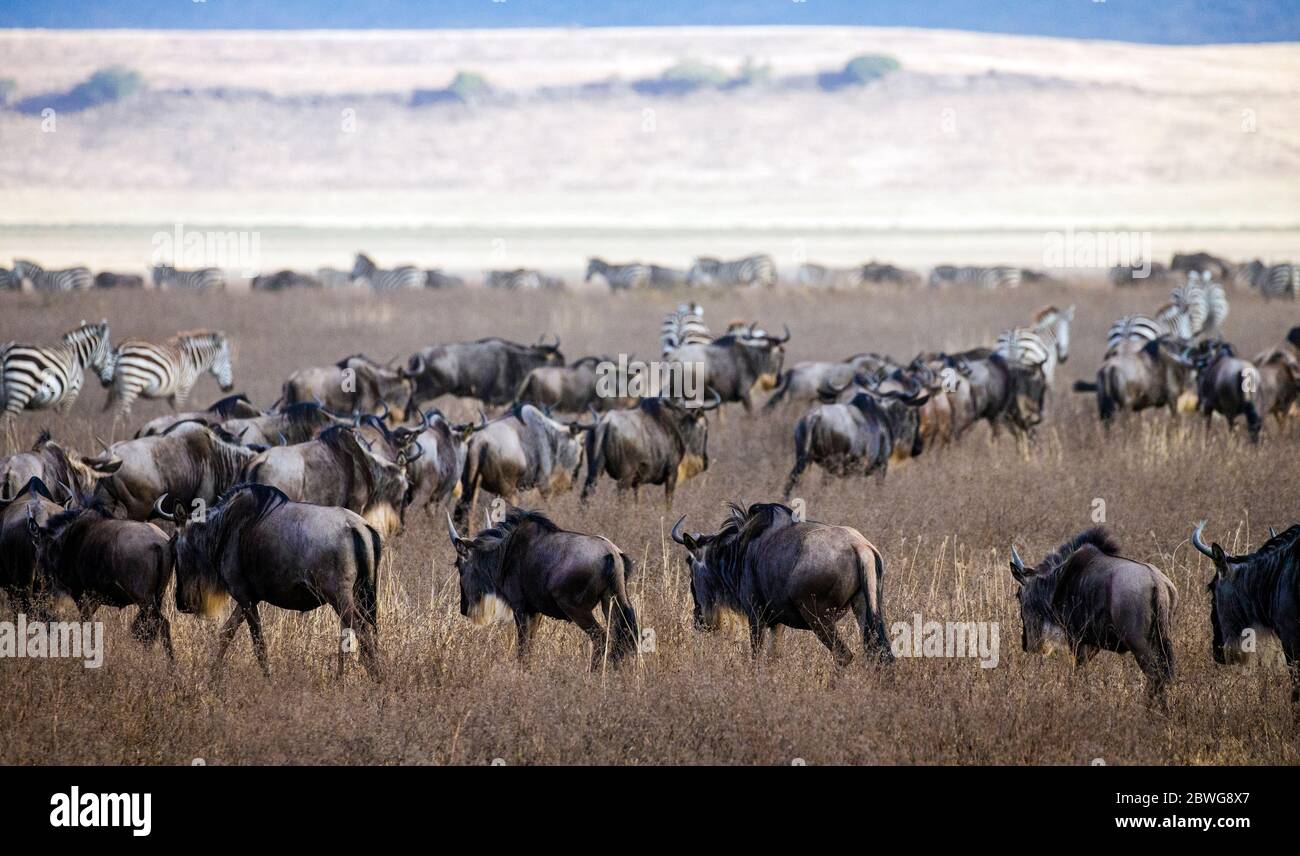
453 694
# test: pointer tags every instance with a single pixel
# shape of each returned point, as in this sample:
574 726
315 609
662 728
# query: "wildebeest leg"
227 636
526 629
874 641
795 473
824 627
1157 671
773 639
255 631
589 625
1083 655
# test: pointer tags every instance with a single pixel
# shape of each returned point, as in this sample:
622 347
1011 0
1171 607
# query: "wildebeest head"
481 563
1228 617
764 353
1028 389
1041 628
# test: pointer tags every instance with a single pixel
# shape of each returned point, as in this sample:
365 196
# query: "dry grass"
453 693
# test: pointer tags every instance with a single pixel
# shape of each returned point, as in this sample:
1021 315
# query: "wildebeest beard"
483 571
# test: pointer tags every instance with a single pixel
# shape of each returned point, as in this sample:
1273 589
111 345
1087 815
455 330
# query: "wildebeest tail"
367 546
871 562
1084 386
595 455
1163 602
1107 384
778 393
623 625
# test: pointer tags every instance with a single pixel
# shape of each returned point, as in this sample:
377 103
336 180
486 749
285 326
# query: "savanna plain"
452 693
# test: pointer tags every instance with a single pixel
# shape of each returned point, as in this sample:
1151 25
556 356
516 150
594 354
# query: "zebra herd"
1197 307
50 377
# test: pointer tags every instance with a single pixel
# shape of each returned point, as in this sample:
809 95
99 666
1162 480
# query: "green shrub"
859 71
104 87
694 75
469 86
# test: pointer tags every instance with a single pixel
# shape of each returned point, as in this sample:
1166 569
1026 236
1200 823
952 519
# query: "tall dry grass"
454 695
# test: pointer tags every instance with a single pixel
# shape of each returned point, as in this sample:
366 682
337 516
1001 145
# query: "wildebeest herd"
292 504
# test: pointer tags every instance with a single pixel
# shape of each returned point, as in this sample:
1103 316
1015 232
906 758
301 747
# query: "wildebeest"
1085 597
1279 377
231 407
191 461
522 279
734 364
257 546
283 279
1228 385
529 565
660 441
523 450
337 469
1219 269
438 450
106 279
295 423
860 435
1141 375
1259 592
490 370
568 389
355 384
1001 392
96 559
18 574
435 278
803 383
779 572
65 473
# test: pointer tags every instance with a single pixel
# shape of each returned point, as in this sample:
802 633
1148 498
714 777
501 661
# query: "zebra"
819 276
36 377
683 326
1000 276
202 279
71 279
1043 345
366 272
1140 329
752 270
522 279
619 277
9 280
169 370
1205 301
1281 280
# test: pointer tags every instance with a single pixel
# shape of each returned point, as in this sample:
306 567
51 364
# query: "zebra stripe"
819 276
39 279
33 377
166 276
619 277
1281 281
752 270
9 280
522 279
1042 345
170 370
365 271
1141 329
683 326
982 277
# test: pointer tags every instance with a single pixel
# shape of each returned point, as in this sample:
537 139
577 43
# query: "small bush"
103 87
859 71
469 86
690 75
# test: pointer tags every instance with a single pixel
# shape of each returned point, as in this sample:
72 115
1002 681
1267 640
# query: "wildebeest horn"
1272 533
415 366
487 519
451 529
410 459
160 512
424 420
102 444
774 340
1198 542
1017 564
677 530
717 401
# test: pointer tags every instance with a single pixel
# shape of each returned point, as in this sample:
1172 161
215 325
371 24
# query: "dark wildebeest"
524 449
106 279
569 389
66 474
1279 377
337 469
1001 392
1086 598
776 571
660 441
1219 269
283 279
1227 384
527 564
355 384
734 364
863 434
190 461
96 559
295 423
231 407
257 546
438 279
490 370
1134 378
437 450
802 383
18 574
1259 592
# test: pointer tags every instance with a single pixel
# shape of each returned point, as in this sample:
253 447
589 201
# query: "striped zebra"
1136 330
32 275
1043 345
618 277
522 279
170 370
36 377
1205 302
752 270
683 326
366 272
1272 281
202 279
990 278
666 277
820 276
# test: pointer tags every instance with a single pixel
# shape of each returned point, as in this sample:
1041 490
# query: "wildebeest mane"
34 486
41 439
227 407
1098 536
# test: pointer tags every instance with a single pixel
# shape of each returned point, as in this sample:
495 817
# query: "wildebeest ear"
34 528
1221 563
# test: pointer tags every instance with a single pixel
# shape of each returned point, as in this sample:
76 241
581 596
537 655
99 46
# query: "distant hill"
1163 22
